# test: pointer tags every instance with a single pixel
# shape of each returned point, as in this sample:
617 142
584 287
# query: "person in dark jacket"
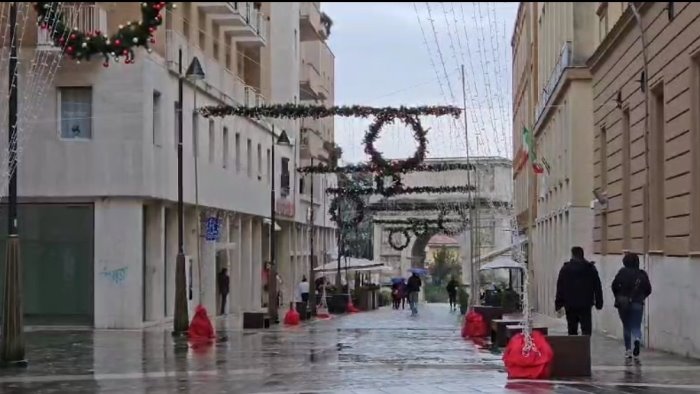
412 289
452 292
223 282
578 290
631 287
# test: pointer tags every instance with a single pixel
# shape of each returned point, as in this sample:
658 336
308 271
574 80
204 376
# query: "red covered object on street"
533 364
200 327
474 326
292 317
351 308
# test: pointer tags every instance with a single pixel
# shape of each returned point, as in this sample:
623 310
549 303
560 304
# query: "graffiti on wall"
116 276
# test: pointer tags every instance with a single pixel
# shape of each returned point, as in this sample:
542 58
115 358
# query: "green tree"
445 265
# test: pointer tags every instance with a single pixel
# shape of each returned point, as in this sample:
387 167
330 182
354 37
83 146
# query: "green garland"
364 191
367 168
297 111
81 45
359 211
380 164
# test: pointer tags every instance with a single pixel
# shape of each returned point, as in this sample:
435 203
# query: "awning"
267 222
349 263
502 263
381 268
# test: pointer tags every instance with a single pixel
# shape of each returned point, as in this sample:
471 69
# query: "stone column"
257 264
154 281
236 304
246 264
208 269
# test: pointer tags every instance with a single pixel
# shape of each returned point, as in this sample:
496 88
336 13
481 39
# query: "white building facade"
98 180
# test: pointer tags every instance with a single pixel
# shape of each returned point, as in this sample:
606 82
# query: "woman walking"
631 287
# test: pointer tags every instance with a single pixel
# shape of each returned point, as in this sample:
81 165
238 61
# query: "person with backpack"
631 287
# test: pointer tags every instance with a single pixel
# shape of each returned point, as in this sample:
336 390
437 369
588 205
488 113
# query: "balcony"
562 64
310 26
219 81
86 17
240 20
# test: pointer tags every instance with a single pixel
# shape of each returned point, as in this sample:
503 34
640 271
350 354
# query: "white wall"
671 320
118 263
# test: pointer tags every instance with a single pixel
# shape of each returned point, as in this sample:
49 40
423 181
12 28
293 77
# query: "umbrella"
418 271
397 279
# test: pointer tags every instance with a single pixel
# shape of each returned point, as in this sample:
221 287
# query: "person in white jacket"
303 289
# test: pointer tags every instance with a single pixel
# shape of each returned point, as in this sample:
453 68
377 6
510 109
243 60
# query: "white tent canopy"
352 264
502 262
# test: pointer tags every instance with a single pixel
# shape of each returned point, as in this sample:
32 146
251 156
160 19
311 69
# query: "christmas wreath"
380 164
359 210
82 45
395 187
407 239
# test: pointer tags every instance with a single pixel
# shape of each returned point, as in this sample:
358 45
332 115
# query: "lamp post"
312 262
181 318
13 351
282 140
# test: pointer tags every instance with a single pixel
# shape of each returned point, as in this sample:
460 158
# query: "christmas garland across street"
367 168
364 191
297 111
83 45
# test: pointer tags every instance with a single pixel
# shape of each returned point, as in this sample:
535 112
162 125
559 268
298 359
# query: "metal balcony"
310 26
86 17
240 20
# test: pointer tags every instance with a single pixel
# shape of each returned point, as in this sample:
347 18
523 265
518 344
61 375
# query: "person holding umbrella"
413 289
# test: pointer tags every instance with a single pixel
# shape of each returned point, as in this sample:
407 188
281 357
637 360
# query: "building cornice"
621 27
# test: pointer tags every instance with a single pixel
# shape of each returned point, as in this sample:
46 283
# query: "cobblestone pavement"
384 351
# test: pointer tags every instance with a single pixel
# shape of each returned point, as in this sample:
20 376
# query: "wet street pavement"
383 351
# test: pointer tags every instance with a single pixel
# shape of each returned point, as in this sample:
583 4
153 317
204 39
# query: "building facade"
99 177
647 161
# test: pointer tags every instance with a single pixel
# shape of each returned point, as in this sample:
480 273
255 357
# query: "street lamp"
181 318
282 140
13 350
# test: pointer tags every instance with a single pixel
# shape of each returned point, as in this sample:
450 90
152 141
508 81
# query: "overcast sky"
382 59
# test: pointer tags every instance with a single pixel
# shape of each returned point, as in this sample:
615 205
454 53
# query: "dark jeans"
631 318
223 303
305 297
582 316
453 297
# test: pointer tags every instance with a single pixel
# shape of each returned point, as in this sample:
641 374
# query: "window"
75 105
602 21
269 167
603 159
238 152
656 171
195 135
157 128
212 141
260 161
626 181
295 42
284 178
249 157
225 146
302 185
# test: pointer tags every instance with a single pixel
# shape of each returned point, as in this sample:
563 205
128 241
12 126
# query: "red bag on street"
292 317
474 326
535 364
200 327
351 308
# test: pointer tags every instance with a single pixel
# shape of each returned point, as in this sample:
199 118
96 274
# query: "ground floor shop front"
110 262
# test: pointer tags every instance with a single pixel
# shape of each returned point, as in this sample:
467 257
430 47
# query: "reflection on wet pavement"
385 351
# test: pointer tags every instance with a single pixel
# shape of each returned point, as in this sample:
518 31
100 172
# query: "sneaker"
635 352
628 355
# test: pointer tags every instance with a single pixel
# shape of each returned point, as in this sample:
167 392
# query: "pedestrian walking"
223 281
452 293
304 289
413 289
631 287
578 290
396 295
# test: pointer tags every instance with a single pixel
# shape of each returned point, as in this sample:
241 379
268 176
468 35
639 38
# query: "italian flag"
529 145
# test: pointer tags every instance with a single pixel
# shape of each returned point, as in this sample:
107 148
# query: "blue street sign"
212 233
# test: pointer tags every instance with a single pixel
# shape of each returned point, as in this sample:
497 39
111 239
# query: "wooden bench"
255 320
498 330
572 355
511 330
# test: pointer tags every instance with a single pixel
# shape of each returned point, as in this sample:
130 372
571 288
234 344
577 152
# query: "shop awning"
267 222
502 262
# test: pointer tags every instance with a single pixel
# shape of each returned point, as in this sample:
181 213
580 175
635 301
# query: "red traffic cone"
292 317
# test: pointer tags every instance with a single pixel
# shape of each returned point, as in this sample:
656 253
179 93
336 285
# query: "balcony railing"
562 64
86 17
